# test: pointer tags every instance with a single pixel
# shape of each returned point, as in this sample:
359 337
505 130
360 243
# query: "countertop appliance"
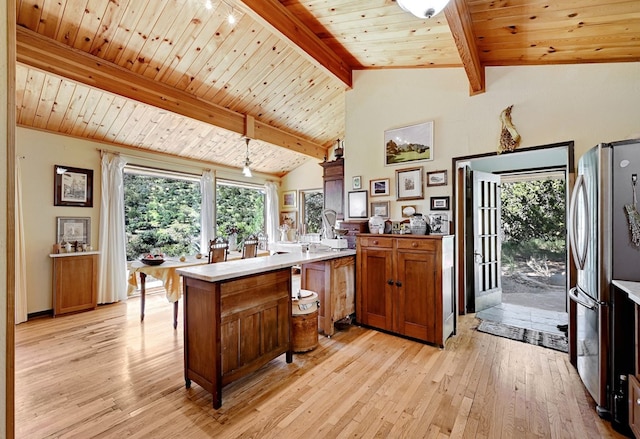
603 250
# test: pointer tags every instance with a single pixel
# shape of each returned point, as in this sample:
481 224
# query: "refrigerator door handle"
588 303
579 254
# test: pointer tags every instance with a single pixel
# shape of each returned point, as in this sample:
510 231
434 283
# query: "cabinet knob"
414 244
398 283
375 242
390 281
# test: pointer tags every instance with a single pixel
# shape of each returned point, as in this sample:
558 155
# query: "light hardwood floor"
103 374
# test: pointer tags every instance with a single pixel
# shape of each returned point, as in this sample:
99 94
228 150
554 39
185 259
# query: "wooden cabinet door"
75 283
334 196
417 298
376 288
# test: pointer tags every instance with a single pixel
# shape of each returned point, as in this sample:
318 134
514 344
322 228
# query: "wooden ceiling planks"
252 70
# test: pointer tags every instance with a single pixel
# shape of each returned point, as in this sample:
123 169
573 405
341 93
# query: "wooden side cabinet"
75 281
405 285
354 227
334 281
333 186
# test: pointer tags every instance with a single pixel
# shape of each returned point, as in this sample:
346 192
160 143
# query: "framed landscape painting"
410 144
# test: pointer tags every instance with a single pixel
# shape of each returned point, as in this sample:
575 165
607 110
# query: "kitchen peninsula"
237 316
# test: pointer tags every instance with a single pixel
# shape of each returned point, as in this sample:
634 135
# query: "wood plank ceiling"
174 76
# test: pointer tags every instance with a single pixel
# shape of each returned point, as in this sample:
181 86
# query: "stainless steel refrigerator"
603 250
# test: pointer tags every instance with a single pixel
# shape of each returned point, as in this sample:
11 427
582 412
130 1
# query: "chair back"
218 250
250 247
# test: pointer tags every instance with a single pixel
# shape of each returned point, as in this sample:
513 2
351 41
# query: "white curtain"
21 257
273 220
207 210
112 273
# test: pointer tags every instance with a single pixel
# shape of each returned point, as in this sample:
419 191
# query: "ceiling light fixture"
208 5
246 171
423 8
231 18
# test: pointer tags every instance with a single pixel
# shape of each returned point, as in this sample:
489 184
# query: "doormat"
545 339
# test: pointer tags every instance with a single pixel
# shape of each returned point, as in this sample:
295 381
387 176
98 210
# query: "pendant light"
246 171
423 8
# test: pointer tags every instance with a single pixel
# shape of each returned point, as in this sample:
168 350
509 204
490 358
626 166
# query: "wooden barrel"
304 331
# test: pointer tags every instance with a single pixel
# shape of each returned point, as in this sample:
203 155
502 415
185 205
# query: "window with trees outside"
162 211
239 209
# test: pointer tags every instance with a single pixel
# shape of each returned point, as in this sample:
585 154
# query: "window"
311 210
162 212
239 209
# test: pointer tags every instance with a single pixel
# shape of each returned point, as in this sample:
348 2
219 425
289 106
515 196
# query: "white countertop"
64 255
245 267
629 287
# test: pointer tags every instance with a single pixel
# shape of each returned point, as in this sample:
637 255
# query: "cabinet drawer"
417 244
634 405
370 241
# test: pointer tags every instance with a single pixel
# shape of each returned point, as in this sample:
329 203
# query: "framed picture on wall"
357 182
380 208
437 178
357 204
380 187
72 229
289 199
409 184
412 143
72 186
289 219
439 203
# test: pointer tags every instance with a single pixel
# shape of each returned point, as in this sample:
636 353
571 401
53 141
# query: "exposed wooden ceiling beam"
57 58
459 20
278 17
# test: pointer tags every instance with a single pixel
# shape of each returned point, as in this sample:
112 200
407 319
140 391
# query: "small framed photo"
72 186
357 182
437 178
408 210
289 219
380 187
380 208
439 203
357 204
72 229
439 223
289 199
409 184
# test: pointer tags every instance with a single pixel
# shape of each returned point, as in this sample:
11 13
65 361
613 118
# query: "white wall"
588 103
40 152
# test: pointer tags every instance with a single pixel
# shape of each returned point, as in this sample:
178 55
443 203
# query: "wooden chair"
250 247
218 250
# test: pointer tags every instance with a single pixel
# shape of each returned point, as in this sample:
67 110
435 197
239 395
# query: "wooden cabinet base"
405 285
234 327
334 282
75 278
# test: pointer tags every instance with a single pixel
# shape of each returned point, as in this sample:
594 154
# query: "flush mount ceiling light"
246 171
423 8
231 18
